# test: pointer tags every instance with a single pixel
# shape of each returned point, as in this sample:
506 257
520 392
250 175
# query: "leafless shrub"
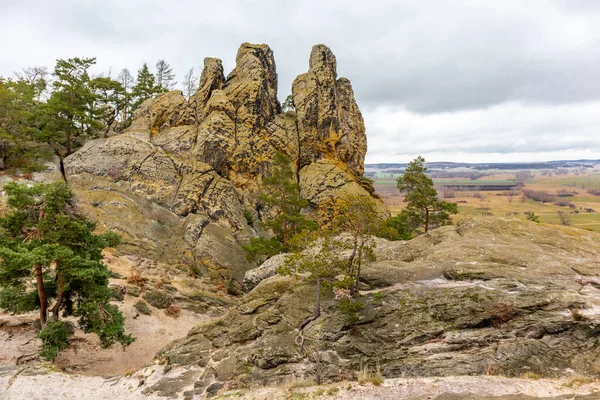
136 279
564 218
539 195
563 203
173 311
502 314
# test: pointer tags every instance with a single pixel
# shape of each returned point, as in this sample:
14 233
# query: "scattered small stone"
142 307
116 292
158 299
133 290
213 389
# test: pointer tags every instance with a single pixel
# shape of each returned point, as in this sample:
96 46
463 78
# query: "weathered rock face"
177 182
489 296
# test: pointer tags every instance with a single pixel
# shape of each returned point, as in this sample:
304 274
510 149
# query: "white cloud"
463 80
506 132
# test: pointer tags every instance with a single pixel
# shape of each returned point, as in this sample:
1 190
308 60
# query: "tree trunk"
426 220
60 296
352 256
317 312
68 145
42 295
354 290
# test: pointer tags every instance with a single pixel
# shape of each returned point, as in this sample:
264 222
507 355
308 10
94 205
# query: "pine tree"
359 216
51 260
110 96
281 193
423 207
17 106
317 259
69 116
37 78
145 87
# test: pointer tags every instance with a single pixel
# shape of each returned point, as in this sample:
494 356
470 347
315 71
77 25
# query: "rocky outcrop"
178 182
268 269
489 296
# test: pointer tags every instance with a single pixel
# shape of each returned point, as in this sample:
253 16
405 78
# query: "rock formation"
488 296
177 183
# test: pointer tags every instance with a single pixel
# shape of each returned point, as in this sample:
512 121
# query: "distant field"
499 203
470 182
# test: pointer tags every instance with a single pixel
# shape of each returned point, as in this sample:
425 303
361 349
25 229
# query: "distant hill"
488 166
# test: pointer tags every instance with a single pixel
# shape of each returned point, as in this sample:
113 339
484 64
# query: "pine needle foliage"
51 260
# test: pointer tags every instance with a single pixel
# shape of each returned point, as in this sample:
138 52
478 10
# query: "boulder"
268 269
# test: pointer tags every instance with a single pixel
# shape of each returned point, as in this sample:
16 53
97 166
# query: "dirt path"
451 388
37 383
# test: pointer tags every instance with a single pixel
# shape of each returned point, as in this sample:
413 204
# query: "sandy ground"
36 383
425 388
39 383
19 345
152 332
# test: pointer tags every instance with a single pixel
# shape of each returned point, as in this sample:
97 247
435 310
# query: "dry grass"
136 279
577 315
173 311
367 376
578 381
530 375
332 391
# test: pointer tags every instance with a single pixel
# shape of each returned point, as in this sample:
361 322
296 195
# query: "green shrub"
249 217
55 337
116 293
351 308
261 248
532 217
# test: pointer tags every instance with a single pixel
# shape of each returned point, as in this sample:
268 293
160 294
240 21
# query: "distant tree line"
57 111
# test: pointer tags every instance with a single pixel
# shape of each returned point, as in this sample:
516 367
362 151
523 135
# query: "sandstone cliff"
178 182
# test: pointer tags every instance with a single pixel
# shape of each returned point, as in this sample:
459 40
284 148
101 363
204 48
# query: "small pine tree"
145 87
109 94
423 207
318 259
359 216
51 260
281 192
532 217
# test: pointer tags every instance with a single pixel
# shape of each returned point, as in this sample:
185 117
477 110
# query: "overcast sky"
452 80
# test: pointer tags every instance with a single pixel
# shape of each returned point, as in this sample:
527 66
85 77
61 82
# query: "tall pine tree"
69 116
17 105
51 260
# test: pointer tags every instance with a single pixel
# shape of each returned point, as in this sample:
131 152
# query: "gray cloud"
428 58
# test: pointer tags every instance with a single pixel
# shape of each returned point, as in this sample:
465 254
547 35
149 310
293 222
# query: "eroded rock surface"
489 296
176 184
